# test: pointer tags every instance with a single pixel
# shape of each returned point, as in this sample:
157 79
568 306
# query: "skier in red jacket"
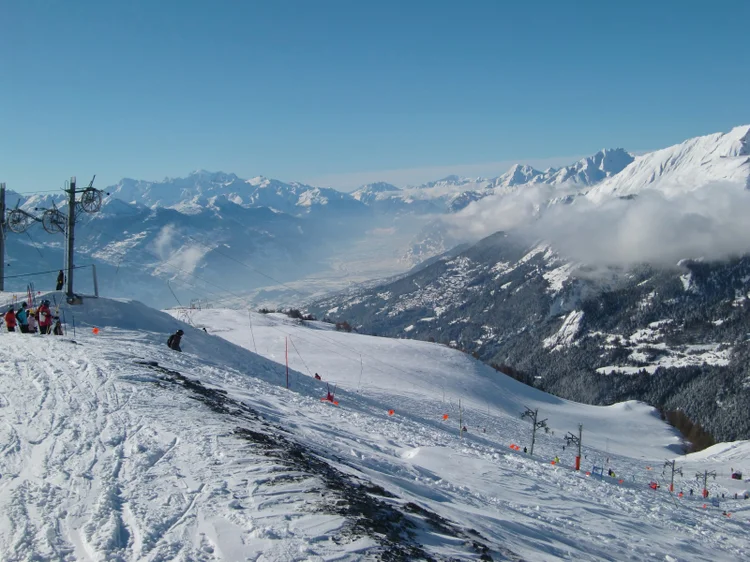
45 317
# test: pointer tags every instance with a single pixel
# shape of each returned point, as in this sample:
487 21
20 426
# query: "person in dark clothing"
174 340
57 330
60 281
317 376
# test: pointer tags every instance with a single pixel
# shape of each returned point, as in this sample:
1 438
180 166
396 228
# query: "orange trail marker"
445 417
391 412
94 331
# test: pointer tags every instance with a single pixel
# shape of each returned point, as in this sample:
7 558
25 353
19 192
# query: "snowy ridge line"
370 509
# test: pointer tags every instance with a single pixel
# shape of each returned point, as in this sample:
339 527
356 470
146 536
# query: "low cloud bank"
712 222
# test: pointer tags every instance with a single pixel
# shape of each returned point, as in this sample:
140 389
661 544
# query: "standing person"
22 316
33 324
10 320
60 281
174 340
44 316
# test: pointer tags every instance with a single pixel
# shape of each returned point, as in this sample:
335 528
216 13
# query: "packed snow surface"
113 447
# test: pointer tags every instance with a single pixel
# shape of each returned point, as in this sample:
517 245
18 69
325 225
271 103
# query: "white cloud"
185 257
656 227
500 212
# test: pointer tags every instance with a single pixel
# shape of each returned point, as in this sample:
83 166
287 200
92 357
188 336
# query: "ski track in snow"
105 458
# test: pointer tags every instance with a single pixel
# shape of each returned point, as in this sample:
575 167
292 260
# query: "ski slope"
113 447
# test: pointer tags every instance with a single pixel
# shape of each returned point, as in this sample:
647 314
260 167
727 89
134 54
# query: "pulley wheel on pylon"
18 221
91 200
53 221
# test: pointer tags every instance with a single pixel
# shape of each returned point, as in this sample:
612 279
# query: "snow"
556 277
685 166
103 457
649 352
567 333
686 280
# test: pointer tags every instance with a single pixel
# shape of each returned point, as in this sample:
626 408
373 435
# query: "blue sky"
342 92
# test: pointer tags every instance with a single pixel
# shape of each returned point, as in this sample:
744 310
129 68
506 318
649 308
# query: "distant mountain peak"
378 187
517 175
450 179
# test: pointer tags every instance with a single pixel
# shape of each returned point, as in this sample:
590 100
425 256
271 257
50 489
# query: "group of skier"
30 321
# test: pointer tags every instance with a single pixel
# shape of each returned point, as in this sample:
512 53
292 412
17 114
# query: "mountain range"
213 235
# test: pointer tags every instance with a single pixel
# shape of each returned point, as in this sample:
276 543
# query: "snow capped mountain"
517 175
683 167
325 196
375 192
589 171
221 210
172 191
452 194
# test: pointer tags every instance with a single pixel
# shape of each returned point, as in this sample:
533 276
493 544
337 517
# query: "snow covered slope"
113 447
685 166
413 377
407 374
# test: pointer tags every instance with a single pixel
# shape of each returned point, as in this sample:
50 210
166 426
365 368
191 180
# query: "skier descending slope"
174 340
